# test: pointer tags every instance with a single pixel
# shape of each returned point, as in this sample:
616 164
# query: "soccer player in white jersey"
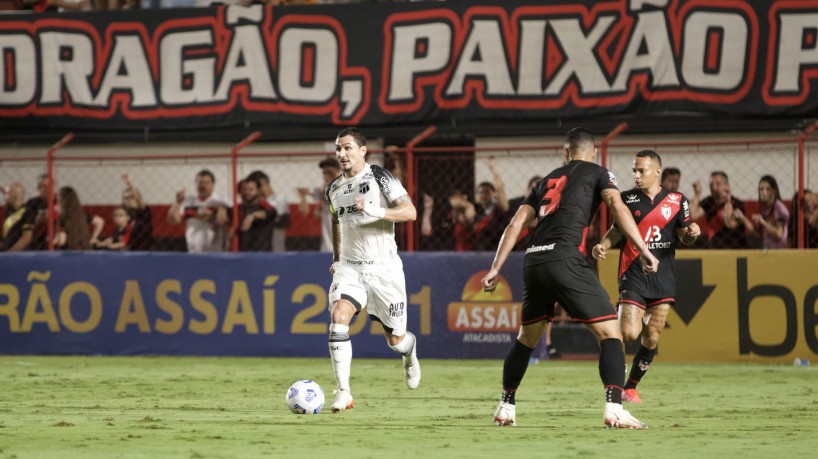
365 202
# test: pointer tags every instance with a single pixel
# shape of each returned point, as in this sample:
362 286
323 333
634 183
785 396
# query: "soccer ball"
305 397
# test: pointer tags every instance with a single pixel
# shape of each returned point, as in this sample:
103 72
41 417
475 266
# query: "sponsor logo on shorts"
540 248
359 262
396 309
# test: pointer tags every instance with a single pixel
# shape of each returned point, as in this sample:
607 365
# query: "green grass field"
146 407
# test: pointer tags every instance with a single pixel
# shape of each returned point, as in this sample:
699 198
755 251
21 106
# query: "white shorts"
381 291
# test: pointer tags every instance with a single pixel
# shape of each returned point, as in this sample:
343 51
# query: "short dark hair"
670 171
650 154
330 161
488 185
577 138
721 174
355 133
206 173
259 176
251 179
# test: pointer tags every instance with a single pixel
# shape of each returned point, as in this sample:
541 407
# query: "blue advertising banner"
240 304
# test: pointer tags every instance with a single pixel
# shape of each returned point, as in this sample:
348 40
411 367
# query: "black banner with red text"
385 63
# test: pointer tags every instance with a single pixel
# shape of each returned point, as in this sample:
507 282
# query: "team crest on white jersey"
631 198
363 188
666 211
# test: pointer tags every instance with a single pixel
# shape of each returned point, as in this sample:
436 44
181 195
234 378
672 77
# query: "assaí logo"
481 311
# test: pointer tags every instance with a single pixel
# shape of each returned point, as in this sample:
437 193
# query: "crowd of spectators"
263 216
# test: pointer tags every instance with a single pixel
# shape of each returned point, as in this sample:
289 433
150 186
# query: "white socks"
405 347
340 352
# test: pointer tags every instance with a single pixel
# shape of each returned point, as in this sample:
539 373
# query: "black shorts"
573 284
635 298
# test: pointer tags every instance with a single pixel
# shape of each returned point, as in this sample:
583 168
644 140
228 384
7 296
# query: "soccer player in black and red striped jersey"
660 215
555 270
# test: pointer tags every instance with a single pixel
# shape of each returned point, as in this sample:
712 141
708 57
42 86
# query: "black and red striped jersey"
565 202
657 219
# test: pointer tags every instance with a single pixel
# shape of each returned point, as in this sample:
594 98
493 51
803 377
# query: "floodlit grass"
147 407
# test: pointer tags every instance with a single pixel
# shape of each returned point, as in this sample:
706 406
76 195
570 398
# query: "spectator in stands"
257 218
491 211
123 233
18 226
330 169
722 211
457 231
205 215
810 227
39 207
279 202
461 221
139 215
771 223
77 230
671 177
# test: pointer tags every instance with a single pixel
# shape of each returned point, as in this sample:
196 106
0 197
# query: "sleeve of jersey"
606 180
683 219
533 199
389 185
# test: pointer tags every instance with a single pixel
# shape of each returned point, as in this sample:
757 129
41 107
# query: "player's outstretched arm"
512 232
600 251
624 221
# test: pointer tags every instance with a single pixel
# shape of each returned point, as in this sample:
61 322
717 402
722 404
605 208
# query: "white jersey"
365 240
201 235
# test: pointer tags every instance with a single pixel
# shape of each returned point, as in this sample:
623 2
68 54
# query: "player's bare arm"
402 211
512 232
336 241
689 235
610 239
624 221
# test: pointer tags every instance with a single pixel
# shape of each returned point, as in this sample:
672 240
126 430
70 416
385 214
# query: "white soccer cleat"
617 417
343 401
505 415
411 369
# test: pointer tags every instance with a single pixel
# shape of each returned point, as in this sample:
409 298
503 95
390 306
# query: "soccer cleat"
411 369
343 401
631 395
617 417
505 415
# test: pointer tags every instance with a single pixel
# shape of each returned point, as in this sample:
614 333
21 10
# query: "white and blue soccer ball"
305 397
